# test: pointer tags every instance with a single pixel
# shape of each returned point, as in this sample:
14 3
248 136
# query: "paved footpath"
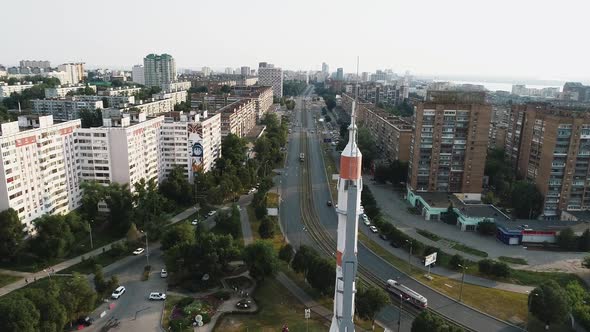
73 261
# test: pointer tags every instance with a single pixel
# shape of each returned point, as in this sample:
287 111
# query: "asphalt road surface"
291 220
133 309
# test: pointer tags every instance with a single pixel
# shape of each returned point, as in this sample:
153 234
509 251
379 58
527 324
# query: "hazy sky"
519 38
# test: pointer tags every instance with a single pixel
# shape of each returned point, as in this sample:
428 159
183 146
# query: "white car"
373 229
118 292
251 191
163 273
211 213
157 296
195 222
138 251
367 222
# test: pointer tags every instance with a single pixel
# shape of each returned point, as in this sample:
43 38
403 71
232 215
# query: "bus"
407 294
301 156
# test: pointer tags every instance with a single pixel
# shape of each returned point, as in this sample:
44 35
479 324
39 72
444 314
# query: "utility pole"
462 282
410 256
147 249
90 230
399 319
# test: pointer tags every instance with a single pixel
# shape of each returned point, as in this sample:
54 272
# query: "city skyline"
420 37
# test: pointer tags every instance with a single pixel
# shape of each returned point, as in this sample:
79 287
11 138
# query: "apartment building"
153 107
138 74
177 97
238 118
64 109
159 69
62 91
120 91
176 86
391 133
269 75
6 90
111 101
190 140
38 173
261 95
35 64
124 150
449 142
74 72
551 147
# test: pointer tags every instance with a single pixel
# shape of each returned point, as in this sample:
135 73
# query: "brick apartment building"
551 146
449 145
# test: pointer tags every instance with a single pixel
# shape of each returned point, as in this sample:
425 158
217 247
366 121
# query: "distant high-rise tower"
138 75
245 71
325 68
206 71
350 185
269 75
340 74
159 69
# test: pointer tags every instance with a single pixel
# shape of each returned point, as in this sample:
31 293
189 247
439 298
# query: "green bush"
485 266
457 260
286 253
501 269
222 295
185 301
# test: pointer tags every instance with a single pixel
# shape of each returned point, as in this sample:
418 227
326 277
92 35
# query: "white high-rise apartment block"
137 74
206 71
159 69
6 90
121 91
64 109
177 97
229 70
62 91
245 71
122 154
268 75
74 72
38 173
35 64
180 133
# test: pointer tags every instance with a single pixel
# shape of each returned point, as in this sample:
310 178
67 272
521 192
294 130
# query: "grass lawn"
6 279
498 303
469 250
428 234
272 200
513 260
277 307
104 259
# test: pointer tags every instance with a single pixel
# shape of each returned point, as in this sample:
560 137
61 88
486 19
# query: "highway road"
291 222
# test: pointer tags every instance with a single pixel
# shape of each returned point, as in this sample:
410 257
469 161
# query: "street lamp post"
90 231
462 281
147 249
301 235
399 317
410 256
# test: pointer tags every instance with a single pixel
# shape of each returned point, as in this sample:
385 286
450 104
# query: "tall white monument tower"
349 201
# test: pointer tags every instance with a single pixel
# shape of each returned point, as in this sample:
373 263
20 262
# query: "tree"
428 322
530 207
457 260
120 203
261 259
584 241
177 188
53 315
369 301
321 275
566 239
266 228
133 234
302 259
181 233
501 269
586 262
91 118
11 233
18 314
486 227
485 266
77 296
286 253
330 102
54 236
229 223
92 194
148 206
549 302
368 147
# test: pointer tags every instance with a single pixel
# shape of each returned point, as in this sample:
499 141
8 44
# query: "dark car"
394 244
86 321
383 236
244 304
329 203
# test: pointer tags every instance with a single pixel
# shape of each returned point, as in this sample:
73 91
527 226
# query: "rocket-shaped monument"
348 209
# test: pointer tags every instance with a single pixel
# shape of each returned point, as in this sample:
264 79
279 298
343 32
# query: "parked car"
251 191
383 236
138 251
329 203
157 296
373 229
195 222
367 222
211 213
244 304
118 292
85 321
163 273
394 244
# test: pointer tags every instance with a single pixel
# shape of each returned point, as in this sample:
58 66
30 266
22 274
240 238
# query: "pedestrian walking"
26 281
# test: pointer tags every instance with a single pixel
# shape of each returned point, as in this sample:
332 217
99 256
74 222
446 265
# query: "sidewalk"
73 261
